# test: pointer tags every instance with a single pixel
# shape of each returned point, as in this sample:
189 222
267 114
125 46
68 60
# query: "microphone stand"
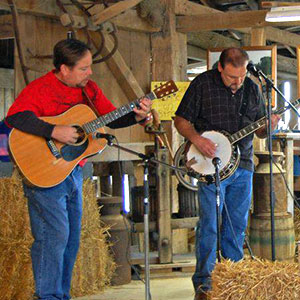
270 147
146 159
270 86
216 162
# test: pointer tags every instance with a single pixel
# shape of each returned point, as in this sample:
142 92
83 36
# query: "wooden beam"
119 69
38 8
187 8
286 64
169 57
175 224
228 20
269 4
258 36
196 53
282 36
164 208
113 11
169 52
207 40
131 21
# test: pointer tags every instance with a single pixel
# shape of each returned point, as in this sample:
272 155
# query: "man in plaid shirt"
222 99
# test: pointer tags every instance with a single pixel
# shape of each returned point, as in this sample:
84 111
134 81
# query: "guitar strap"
92 105
245 99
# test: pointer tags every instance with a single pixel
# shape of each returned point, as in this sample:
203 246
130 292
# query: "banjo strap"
245 100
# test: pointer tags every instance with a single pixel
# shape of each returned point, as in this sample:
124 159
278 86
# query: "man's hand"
205 146
65 134
143 110
274 120
262 132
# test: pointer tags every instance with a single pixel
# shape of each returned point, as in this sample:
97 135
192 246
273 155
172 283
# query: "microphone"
253 70
216 161
107 136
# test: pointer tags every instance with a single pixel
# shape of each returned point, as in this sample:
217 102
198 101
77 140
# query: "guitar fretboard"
258 124
114 115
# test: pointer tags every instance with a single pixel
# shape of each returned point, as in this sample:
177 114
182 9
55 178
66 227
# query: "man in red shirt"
55 213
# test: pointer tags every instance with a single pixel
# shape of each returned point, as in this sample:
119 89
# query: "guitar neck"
114 115
256 125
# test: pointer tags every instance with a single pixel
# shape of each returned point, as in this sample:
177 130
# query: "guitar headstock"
165 89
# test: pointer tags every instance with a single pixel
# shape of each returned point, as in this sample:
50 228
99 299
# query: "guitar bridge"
51 145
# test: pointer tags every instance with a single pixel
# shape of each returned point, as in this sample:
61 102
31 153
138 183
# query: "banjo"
188 157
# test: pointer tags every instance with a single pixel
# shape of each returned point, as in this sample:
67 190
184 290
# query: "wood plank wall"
6 90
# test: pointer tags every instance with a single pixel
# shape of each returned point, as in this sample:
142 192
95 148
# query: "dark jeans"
236 191
55 218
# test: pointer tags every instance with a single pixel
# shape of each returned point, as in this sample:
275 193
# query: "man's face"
78 75
233 77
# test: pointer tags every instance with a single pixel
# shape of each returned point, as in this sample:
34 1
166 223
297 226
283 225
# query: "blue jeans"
236 192
55 219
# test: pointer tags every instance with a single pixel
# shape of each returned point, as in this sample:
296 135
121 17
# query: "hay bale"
16 280
256 280
94 266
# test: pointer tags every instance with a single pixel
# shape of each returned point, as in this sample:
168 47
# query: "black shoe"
201 295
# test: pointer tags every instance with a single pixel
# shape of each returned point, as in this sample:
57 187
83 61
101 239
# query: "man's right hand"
205 146
65 134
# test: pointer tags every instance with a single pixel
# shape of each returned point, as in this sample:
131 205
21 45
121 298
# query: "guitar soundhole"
71 152
81 133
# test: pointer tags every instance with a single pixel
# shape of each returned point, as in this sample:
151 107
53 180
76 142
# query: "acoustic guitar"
46 163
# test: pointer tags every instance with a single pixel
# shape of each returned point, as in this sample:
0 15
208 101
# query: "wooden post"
164 208
258 36
169 60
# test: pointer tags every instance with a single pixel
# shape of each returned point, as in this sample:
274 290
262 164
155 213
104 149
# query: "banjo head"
204 165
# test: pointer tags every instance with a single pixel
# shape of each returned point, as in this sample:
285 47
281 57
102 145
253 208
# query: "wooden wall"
6 90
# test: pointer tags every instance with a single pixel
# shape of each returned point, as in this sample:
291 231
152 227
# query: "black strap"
92 105
245 97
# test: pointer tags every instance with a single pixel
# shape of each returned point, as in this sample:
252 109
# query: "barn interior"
138 241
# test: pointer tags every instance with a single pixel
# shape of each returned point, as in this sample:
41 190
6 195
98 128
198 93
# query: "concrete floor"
160 289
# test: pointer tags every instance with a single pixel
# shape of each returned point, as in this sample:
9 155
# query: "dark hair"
235 56
68 52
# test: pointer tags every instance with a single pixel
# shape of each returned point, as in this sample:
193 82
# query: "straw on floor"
94 266
256 280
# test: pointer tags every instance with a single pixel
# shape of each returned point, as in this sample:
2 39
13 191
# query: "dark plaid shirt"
209 105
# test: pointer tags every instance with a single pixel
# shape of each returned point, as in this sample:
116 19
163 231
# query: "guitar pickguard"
71 152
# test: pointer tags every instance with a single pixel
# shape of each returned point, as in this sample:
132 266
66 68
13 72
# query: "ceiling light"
283 14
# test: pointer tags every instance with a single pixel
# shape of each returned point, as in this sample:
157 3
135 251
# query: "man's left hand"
144 109
274 121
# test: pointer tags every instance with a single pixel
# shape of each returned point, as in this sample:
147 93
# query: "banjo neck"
257 124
